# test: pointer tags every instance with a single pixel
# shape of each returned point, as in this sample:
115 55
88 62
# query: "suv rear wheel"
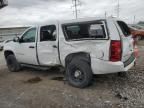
12 63
79 74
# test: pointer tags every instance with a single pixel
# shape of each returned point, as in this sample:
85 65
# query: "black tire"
84 69
12 63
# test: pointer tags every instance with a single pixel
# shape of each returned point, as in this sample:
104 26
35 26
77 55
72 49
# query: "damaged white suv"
83 47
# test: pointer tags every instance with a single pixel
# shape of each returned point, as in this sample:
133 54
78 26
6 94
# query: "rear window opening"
87 30
125 29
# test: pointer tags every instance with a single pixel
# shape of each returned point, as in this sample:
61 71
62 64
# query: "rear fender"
78 56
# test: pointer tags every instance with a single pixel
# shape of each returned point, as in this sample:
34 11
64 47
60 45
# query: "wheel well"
7 53
79 56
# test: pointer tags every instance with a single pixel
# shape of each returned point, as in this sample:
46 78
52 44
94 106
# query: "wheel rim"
77 75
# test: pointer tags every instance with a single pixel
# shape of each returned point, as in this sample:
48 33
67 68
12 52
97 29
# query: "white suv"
83 47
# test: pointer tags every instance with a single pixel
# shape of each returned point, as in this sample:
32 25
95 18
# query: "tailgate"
127 41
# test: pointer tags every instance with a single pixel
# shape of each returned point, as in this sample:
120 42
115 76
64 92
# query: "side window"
73 32
48 33
97 31
86 30
29 36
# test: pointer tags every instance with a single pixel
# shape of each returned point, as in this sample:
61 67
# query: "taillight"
115 51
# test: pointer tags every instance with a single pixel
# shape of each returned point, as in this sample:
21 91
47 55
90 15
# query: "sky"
33 12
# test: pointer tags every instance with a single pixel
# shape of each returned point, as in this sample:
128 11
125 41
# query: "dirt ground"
141 43
32 88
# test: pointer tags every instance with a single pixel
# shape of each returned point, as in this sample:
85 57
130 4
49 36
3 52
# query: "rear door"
127 41
47 45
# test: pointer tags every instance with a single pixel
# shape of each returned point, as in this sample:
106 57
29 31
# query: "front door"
26 48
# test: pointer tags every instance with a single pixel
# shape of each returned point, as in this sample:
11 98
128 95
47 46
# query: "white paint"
98 49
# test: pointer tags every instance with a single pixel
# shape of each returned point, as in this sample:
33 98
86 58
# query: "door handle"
31 47
54 46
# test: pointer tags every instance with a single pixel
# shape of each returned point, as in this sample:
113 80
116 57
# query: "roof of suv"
85 19
77 20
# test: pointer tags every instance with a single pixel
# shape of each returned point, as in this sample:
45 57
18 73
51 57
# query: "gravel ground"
31 88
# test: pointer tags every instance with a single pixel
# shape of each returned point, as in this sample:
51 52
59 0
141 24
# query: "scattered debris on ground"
33 80
58 78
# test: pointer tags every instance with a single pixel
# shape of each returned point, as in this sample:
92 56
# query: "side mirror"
16 39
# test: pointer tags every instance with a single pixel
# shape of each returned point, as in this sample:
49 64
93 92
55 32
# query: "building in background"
7 33
11 32
3 3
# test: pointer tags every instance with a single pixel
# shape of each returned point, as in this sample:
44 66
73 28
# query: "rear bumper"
104 67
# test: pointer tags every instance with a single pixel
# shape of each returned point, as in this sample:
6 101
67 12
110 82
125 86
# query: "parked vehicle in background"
83 47
2 44
137 33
